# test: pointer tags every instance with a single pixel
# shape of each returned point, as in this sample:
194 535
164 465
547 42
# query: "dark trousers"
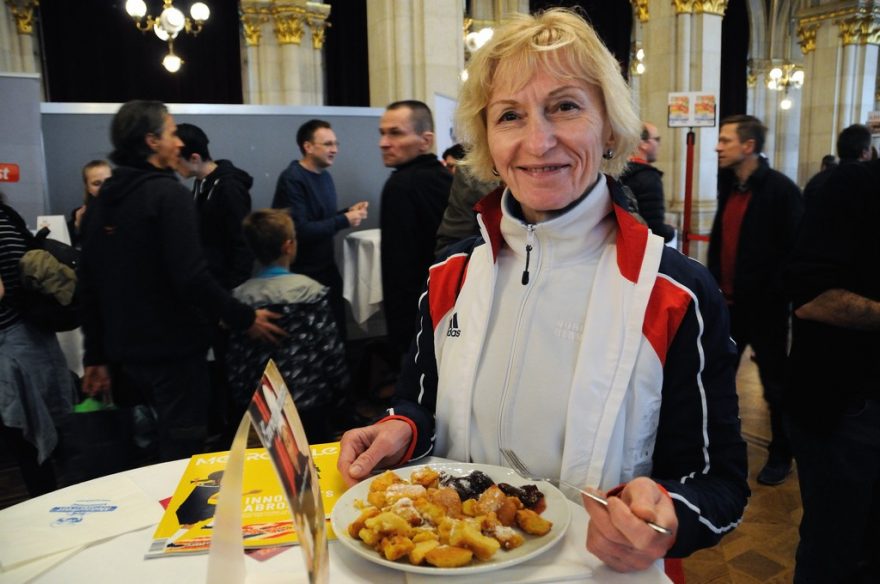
764 326
178 392
839 474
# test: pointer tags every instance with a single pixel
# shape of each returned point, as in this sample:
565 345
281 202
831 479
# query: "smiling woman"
581 342
547 140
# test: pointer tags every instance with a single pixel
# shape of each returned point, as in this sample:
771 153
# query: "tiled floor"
761 550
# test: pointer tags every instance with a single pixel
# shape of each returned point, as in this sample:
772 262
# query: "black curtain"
345 54
94 53
734 59
612 20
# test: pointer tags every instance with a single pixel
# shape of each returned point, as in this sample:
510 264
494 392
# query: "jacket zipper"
530 239
503 442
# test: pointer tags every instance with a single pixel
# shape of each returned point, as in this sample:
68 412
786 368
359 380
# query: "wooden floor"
760 550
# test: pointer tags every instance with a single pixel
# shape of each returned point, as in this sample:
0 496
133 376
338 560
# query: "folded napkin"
567 561
73 517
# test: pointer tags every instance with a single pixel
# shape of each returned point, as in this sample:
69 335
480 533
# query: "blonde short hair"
563 44
266 231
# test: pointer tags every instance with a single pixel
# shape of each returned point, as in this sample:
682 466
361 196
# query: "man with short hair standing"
307 189
645 181
149 300
833 393
853 146
222 196
413 201
759 210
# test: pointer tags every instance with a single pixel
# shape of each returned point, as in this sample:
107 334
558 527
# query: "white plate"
344 513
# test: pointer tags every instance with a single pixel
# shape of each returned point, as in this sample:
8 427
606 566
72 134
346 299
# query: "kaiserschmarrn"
444 521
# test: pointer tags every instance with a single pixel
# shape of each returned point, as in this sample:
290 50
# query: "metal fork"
522 470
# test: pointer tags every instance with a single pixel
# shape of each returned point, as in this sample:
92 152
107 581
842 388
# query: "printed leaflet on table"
187 524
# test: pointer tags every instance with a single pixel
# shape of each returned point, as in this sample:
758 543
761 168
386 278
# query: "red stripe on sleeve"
666 309
445 282
631 241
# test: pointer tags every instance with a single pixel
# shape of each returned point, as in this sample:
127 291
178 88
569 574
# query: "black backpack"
43 310
39 309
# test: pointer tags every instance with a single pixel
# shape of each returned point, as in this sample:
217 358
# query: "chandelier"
785 76
637 59
474 39
168 25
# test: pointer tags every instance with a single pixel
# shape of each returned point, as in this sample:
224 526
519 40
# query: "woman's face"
546 140
95 177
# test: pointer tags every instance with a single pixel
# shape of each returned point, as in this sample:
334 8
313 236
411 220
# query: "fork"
522 470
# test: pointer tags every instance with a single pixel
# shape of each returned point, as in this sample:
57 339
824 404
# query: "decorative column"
17 37
289 28
282 62
416 49
859 37
252 21
640 17
682 40
840 45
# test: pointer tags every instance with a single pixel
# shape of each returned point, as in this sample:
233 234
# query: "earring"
495 172
608 154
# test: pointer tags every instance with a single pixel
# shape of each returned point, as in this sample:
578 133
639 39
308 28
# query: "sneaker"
774 473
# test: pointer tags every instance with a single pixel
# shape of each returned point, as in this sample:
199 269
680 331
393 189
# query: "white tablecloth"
362 273
121 559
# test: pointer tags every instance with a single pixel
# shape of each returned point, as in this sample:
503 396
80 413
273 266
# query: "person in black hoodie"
221 193
222 196
149 300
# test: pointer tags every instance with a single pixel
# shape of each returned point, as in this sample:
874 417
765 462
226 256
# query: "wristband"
415 434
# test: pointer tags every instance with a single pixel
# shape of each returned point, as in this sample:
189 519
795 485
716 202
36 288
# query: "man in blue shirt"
307 190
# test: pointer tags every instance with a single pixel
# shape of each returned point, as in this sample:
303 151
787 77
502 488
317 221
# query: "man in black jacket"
413 201
222 196
148 297
833 393
221 193
759 210
853 146
645 182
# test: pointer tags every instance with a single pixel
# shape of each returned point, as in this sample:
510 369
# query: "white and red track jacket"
653 392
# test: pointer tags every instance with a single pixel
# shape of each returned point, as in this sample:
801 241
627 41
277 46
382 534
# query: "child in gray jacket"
311 357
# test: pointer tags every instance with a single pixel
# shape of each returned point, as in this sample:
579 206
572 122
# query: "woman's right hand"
376 446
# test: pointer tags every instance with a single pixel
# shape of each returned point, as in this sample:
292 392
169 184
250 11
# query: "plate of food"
450 518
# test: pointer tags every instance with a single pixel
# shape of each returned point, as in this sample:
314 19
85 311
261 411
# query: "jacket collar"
420 160
632 236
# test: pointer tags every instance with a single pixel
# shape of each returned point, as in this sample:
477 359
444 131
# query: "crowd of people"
531 303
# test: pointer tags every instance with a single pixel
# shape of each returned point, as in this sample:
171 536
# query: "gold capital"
806 32
863 29
317 21
289 21
684 6
641 7
319 32
710 7
252 20
24 15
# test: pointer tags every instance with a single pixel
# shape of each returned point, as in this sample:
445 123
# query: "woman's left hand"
618 534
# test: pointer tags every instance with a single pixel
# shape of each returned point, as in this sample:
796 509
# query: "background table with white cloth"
121 559
362 273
